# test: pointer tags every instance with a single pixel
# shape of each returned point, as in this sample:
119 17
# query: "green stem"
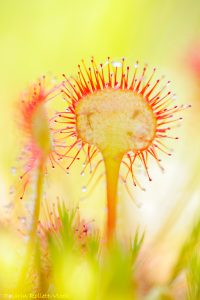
33 231
112 166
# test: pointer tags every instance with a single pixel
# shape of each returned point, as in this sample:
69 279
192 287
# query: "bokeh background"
51 37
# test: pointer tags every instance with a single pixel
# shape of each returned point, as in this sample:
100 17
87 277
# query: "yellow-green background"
51 37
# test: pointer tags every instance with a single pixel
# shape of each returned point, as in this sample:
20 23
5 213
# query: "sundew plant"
121 113
99 176
117 115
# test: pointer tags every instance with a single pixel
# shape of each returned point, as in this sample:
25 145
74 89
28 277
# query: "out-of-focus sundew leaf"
81 266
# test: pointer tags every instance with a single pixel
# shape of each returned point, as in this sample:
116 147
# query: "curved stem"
32 234
112 166
39 191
